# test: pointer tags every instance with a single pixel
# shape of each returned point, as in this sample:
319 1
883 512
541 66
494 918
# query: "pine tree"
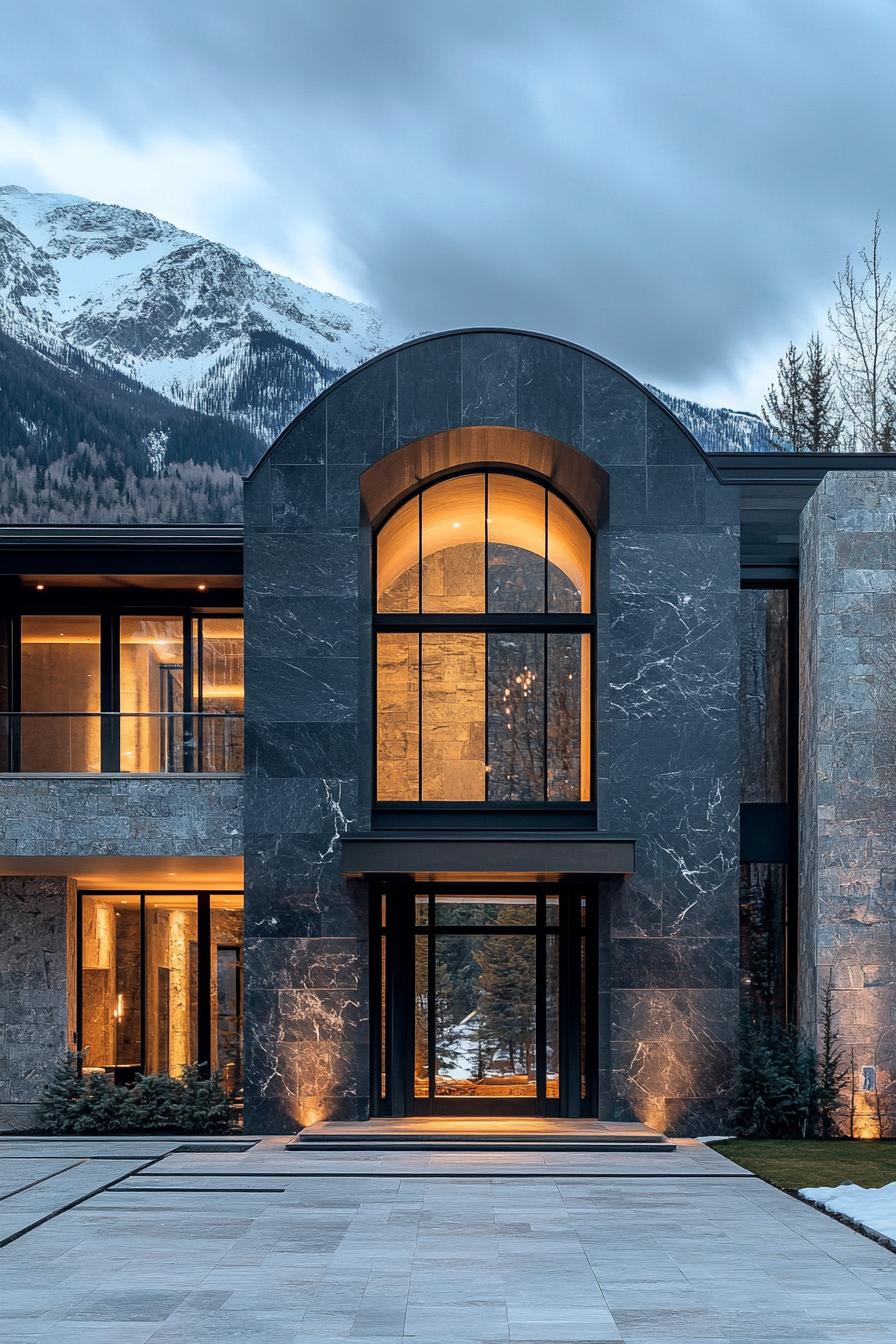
822 418
505 999
775 1081
833 1074
783 409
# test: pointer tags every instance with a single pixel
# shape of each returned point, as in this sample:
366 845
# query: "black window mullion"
419 717
15 692
431 999
79 976
110 693
541 1015
485 559
544 721
204 982
188 734
143 945
546 604
486 792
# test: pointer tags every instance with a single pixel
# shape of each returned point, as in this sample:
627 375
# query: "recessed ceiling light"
40 587
202 587
455 524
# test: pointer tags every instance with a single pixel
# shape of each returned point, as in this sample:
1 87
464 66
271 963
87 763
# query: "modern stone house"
511 743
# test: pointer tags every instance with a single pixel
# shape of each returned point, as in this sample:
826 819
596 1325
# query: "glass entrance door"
481 1003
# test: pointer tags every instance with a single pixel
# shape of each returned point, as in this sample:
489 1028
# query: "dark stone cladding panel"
303 690
298 496
36 941
361 419
299 806
673 561
667 730
304 443
306 963
614 418
549 390
488 379
306 627
120 815
283 750
428 388
673 963
290 565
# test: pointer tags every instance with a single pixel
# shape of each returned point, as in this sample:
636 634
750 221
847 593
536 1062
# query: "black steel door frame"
393 935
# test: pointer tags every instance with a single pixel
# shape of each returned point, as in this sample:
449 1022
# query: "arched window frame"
486 622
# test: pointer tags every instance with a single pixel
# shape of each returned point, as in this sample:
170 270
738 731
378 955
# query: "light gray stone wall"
848 773
37 969
119 815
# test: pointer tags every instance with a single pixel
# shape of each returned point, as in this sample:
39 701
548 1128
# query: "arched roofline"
484 331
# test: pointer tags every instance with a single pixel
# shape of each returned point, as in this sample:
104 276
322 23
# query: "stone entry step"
481 1133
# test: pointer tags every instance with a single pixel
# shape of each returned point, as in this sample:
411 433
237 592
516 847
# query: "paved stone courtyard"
131 1240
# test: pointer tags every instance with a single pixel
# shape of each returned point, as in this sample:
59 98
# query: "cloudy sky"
671 182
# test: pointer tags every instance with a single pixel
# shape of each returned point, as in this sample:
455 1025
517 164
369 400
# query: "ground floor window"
485 999
160 982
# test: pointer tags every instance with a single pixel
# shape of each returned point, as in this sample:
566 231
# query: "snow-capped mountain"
144 368
719 430
188 317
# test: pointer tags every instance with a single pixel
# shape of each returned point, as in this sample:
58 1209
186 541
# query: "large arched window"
483 652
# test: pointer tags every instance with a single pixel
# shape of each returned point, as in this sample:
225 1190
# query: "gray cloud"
673 184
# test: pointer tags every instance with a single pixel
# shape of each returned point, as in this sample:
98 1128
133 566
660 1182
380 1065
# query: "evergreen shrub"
91 1103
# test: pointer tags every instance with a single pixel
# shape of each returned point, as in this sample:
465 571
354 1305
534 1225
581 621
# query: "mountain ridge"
177 357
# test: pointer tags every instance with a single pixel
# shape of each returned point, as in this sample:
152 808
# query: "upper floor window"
132 693
483 645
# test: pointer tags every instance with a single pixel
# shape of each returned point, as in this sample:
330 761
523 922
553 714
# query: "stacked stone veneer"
848 773
666 707
37 961
119 815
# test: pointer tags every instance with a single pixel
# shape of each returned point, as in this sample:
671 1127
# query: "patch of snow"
874 1209
156 445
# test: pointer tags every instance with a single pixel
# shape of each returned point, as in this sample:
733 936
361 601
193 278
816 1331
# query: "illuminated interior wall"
112 983
151 659
60 674
505 716
847 781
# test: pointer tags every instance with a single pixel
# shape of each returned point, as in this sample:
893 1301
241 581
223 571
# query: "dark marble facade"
666 612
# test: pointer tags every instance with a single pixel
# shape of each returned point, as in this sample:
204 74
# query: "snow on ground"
874 1209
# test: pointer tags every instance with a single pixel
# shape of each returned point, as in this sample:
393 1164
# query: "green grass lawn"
794 1164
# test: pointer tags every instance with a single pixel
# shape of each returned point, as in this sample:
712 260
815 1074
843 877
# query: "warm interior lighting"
523 520
489 730
40 587
201 587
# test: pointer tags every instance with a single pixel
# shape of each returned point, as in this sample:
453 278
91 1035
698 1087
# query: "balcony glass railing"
110 743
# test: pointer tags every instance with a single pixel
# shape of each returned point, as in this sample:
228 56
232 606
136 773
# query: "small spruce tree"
833 1074
62 1100
775 1081
822 419
783 409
